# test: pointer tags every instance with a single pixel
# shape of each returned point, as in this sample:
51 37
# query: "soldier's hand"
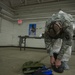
57 63
52 60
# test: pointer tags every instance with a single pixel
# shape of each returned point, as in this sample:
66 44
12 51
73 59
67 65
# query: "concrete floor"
12 59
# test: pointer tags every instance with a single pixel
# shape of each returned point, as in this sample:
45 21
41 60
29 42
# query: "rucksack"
35 68
30 66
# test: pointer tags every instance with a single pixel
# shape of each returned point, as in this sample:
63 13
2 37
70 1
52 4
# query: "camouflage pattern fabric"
30 66
67 22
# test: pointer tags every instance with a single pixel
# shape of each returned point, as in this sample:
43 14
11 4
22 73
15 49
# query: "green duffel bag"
30 66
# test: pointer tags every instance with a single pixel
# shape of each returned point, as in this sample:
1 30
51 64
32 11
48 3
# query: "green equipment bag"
30 67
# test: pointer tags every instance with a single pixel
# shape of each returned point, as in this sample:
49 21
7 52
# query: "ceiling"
18 3
11 9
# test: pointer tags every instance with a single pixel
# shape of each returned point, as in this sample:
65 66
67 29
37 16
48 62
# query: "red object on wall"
19 22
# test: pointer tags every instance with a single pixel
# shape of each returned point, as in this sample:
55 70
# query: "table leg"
24 43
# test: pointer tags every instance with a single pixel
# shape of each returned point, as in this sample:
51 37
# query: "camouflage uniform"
66 36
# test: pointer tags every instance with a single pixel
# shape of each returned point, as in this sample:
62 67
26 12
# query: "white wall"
23 30
10 32
6 33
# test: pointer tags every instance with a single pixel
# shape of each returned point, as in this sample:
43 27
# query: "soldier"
58 40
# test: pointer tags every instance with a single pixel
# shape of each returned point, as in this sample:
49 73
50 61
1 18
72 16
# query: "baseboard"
26 47
22 47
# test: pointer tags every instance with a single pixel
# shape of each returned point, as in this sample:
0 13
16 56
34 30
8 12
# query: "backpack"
30 66
35 68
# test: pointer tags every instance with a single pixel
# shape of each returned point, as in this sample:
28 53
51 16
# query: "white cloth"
67 54
57 46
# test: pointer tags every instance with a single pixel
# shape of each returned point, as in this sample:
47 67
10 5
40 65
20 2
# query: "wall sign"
20 22
32 29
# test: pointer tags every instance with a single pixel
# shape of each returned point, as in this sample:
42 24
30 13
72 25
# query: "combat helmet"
55 28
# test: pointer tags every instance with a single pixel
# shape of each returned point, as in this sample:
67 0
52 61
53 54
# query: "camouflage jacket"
66 36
